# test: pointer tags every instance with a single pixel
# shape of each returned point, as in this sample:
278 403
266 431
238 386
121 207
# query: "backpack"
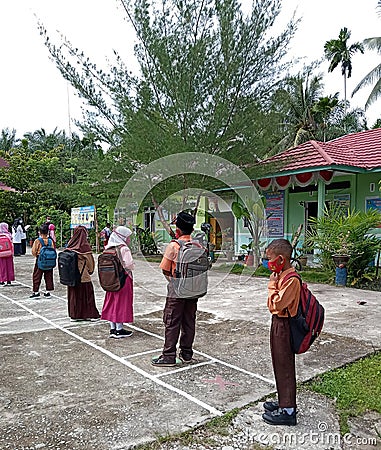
48 255
191 274
306 326
68 268
111 273
6 247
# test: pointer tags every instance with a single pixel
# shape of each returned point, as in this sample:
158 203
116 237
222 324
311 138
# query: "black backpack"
191 275
111 273
306 326
68 268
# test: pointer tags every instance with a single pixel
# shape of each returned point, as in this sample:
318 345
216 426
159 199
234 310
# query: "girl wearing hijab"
52 234
118 306
7 270
81 299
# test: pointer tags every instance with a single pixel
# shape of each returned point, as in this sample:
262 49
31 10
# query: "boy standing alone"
283 298
179 313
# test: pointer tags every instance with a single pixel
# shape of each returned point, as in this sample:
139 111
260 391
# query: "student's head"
44 229
108 225
184 223
279 253
48 219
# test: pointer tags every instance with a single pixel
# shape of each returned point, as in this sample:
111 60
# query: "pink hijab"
4 229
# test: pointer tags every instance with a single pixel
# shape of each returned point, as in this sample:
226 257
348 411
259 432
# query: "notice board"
275 214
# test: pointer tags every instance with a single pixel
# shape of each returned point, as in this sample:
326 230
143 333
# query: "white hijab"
118 237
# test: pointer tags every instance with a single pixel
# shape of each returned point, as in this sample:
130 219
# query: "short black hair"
44 228
281 247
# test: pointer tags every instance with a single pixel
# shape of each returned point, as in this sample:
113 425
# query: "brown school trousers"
179 316
37 277
283 359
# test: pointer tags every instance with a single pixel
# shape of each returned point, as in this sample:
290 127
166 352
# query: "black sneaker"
186 359
122 333
271 406
112 333
279 417
161 361
46 294
34 295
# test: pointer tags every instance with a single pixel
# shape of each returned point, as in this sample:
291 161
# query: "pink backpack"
6 246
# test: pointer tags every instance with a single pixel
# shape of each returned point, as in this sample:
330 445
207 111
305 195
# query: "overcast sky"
34 95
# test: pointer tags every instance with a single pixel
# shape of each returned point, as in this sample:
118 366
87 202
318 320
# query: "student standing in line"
283 299
7 270
118 306
81 298
179 313
105 234
17 234
52 234
38 273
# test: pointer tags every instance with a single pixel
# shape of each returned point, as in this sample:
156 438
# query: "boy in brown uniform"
282 297
38 273
179 313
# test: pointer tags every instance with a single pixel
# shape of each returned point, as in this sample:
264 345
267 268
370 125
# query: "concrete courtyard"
66 385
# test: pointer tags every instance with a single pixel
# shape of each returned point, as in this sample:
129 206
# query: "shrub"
341 232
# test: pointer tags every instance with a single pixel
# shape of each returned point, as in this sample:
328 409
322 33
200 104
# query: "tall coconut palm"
338 52
374 76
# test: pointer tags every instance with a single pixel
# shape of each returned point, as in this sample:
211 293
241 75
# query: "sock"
119 325
289 411
112 325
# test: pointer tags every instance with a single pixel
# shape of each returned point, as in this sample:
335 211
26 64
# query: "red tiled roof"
361 150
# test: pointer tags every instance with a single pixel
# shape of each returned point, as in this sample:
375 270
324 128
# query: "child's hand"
274 277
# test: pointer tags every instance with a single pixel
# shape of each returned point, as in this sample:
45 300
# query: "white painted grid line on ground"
205 355
182 369
143 353
142 372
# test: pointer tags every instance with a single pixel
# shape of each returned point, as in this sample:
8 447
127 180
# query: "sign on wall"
84 215
373 203
275 214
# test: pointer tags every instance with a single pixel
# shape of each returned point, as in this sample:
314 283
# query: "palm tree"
338 52
374 76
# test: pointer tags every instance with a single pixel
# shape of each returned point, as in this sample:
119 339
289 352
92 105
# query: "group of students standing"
118 306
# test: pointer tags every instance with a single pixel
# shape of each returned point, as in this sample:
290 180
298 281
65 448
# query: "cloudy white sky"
33 94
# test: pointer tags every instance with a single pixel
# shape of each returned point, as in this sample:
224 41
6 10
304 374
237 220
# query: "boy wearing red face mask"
282 298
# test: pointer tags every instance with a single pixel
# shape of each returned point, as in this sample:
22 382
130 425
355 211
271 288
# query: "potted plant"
249 259
228 248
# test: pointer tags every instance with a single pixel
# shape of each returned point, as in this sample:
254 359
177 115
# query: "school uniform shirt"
283 296
168 263
17 234
37 245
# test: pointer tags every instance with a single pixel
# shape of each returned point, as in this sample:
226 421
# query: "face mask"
275 265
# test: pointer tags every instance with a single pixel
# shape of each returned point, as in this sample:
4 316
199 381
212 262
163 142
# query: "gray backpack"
191 275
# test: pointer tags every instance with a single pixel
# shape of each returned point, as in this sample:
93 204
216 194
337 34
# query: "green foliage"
53 173
206 73
146 241
356 388
345 232
254 215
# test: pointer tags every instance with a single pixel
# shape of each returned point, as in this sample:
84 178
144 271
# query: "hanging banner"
84 216
275 214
